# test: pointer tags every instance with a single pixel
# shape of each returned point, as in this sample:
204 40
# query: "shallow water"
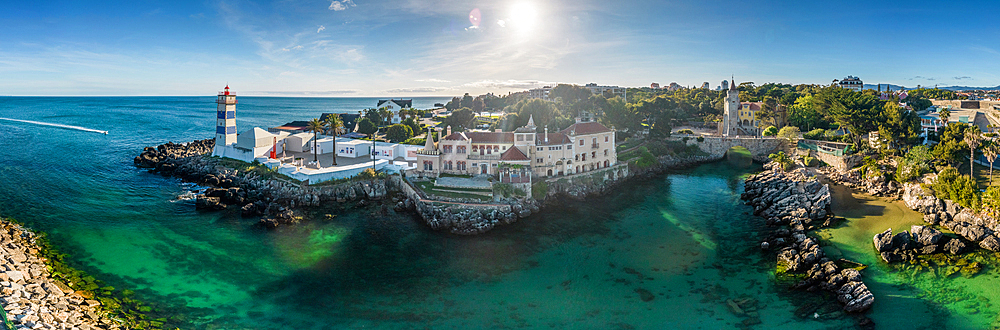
682 239
926 300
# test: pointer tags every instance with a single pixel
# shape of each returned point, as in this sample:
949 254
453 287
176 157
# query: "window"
539 160
581 142
569 146
520 137
473 148
593 154
428 165
576 157
446 149
605 138
540 148
447 165
461 149
584 158
605 152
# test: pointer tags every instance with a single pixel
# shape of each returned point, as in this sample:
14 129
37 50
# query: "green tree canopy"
398 133
367 126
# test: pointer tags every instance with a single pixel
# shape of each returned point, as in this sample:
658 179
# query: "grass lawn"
982 174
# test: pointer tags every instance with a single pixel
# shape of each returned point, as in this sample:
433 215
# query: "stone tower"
225 127
731 115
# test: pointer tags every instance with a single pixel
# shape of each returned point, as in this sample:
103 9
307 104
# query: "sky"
354 48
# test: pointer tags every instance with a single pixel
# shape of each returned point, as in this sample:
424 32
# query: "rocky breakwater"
472 219
256 191
797 202
972 229
162 155
31 298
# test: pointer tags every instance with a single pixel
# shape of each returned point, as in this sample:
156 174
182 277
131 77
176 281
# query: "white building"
599 90
539 93
852 83
300 142
395 106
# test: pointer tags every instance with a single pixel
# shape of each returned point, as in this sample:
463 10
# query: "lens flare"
475 17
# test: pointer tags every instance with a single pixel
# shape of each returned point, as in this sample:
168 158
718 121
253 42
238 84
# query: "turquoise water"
667 252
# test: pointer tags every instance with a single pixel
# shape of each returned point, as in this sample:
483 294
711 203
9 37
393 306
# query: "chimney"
546 133
447 130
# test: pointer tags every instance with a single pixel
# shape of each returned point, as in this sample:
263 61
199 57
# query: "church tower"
225 127
731 115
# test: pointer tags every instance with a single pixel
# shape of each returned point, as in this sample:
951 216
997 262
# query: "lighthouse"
225 128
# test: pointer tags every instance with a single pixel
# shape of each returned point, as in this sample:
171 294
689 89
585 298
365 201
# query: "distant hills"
892 87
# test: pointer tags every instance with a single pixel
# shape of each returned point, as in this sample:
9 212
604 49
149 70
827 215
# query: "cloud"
417 90
338 5
320 29
962 78
433 80
509 84
293 48
303 93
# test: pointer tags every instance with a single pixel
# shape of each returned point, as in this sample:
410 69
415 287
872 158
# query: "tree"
374 115
333 124
467 101
944 114
789 132
366 126
781 158
398 133
950 145
770 131
991 151
386 116
413 124
316 126
973 138
461 119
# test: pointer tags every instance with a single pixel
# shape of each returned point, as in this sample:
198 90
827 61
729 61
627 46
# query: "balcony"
595 146
484 157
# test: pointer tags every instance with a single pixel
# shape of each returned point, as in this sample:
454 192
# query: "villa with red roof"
582 147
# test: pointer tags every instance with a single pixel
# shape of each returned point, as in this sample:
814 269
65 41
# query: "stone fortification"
797 202
717 146
31 298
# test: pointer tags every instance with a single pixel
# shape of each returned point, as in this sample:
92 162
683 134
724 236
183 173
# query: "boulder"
883 241
208 203
991 243
954 246
925 235
902 240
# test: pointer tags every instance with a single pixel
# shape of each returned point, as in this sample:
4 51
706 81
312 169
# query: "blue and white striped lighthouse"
225 129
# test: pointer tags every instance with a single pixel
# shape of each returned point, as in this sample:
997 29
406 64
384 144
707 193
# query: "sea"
672 252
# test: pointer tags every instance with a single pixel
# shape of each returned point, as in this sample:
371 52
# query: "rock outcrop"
875 185
29 294
274 201
977 229
797 202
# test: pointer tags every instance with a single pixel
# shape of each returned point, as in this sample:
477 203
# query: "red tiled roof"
554 139
490 137
456 137
590 127
754 106
513 154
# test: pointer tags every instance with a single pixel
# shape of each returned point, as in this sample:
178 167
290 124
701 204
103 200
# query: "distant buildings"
654 85
705 85
852 83
539 93
725 84
674 87
601 90
395 106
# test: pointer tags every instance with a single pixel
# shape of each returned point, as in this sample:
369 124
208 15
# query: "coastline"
39 290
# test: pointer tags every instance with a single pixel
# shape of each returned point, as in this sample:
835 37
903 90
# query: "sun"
523 16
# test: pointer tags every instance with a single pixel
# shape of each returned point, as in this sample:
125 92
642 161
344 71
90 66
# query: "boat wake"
57 125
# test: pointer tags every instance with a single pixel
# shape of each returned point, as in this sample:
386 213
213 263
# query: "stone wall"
583 184
718 145
843 163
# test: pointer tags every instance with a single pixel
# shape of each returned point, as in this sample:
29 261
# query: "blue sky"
428 47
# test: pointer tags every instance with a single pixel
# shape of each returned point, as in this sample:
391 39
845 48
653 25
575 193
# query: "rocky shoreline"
796 202
32 298
970 229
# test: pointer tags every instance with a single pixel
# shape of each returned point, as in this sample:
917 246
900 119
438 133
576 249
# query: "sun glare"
523 16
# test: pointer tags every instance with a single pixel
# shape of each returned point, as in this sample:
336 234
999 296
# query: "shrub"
789 132
398 133
816 134
685 131
809 161
781 158
916 162
958 188
770 131
539 190
701 139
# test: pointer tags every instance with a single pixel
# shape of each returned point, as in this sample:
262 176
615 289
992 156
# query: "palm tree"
991 152
973 137
386 115
334 123
316 126
944 114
